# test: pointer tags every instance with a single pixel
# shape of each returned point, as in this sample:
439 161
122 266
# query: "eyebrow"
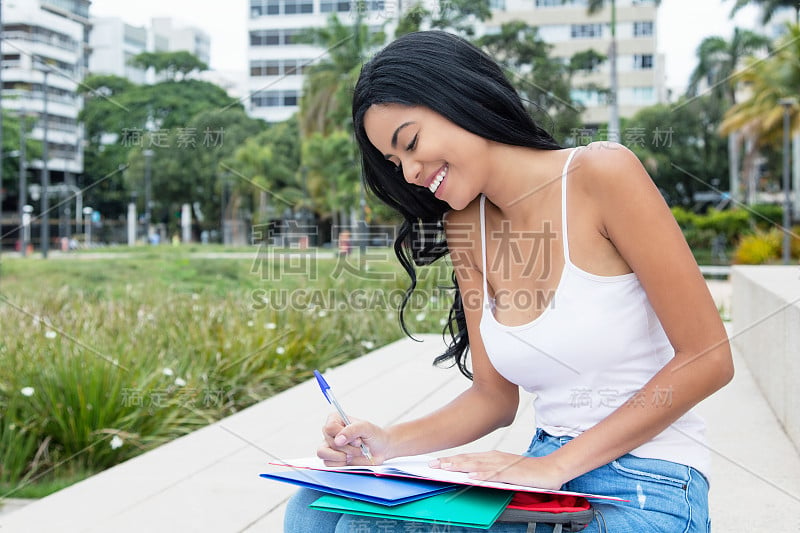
394 136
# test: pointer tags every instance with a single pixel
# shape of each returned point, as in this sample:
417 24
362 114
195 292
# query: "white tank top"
591 350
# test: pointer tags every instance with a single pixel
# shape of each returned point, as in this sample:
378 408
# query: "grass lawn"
102 359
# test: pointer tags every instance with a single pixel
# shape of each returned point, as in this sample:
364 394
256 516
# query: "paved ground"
208 481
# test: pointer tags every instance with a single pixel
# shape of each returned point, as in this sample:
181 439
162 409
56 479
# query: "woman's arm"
635 218
490 402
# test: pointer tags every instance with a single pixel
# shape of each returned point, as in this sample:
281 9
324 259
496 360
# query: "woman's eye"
413 143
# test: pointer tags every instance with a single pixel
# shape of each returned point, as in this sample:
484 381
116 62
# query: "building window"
330 6
643 29
287 98
278 67
297 7
260 8
586 31
644 95
642 61
273 37
559 3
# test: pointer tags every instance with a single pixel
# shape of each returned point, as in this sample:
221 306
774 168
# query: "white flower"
420 317
116 442
27 391
167 372
322 314
249 323
280 350
270 325
368 344
195 296
50 334
180 382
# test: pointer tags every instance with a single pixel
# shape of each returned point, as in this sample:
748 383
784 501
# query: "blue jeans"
664 497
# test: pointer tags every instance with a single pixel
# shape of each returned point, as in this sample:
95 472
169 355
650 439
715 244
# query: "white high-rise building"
570 29
113 44
277 62
44 51
171 36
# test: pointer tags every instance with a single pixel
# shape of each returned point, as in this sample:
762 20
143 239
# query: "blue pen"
326 390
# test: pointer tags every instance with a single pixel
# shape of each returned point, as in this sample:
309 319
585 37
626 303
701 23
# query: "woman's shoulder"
606 157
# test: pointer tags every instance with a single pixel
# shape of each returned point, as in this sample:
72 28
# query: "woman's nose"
411 172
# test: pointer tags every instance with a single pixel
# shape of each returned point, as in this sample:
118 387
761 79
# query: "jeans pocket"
652 471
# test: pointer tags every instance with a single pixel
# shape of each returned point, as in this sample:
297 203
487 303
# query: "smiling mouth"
437 180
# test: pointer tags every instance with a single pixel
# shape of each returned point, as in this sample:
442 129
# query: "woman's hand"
539 472
342 445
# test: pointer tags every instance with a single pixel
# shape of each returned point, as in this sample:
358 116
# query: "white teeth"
438 179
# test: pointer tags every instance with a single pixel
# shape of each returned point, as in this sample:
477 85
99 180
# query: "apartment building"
45 52
114 43
277 62
570 29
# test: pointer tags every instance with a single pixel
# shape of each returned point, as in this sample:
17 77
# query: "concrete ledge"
207 482
766 330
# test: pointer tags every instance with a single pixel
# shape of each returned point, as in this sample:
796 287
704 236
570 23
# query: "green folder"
470 507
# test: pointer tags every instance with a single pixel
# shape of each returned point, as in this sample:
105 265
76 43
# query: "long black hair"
453 78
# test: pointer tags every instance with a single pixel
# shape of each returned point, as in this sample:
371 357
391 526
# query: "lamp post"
87 222
787 104
45 206
148 192
23 186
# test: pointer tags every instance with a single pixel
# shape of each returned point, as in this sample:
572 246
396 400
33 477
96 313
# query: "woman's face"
431 151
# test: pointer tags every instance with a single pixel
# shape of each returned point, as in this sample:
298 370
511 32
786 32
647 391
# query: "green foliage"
730 223
680 147
110 359
542 81
11 145
766 216
169 63
332 172
268 165
325 105
171 118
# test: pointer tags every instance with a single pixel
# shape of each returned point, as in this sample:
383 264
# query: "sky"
681 27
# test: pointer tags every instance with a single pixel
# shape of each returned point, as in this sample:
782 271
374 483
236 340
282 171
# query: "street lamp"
787 104
45 225
148 193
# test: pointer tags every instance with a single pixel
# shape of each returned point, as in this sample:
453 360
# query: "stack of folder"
407 489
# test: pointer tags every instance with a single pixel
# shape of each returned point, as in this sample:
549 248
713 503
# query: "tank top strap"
483 251
564 173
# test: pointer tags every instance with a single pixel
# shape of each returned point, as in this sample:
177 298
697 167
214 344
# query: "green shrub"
684 217
766 216
731 223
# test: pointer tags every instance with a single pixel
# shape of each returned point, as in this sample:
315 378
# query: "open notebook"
417 467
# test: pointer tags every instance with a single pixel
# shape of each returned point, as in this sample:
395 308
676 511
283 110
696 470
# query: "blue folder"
382 490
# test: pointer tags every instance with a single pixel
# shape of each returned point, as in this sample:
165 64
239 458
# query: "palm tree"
718 59
769 8
613 119
327 90
759 117
769 81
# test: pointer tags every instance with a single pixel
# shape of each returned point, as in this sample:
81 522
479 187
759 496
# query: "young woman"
573 282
